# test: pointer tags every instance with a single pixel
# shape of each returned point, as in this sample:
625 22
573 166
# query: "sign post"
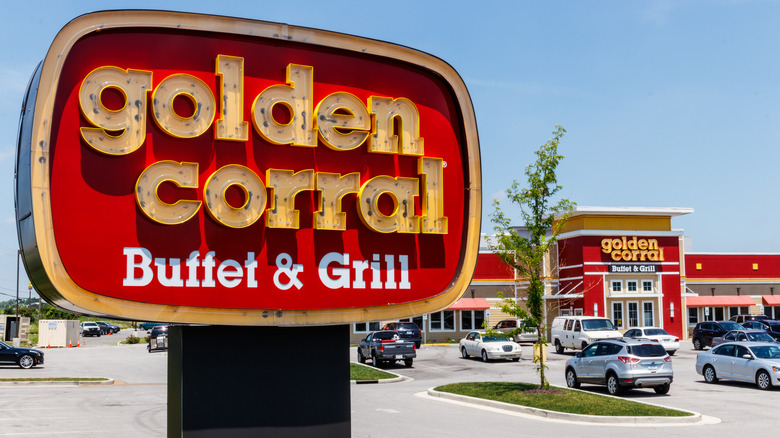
257 178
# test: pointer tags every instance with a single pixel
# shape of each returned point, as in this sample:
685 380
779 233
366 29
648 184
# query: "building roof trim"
631 211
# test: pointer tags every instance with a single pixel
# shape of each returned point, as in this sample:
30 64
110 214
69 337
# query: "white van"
576 332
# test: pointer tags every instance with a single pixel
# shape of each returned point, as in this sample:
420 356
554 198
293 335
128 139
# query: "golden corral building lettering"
624 249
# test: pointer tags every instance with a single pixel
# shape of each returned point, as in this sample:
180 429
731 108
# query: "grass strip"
362 372
562 400
55 379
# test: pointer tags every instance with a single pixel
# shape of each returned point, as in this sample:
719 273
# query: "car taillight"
656 340
668 359
628 359
676 339
381 348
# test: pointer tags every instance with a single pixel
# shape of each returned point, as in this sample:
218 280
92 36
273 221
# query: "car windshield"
656 332
728 326
494 339
597 324
766 351
760 336
407 326
646 350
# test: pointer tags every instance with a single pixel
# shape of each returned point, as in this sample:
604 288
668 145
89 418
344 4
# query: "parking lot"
136 404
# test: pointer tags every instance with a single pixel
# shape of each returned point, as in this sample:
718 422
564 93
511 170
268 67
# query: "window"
617 286
631 286
617 314
417 320
577 312
471 319
365 327
647 313
693 316
633 314
647 286
443 321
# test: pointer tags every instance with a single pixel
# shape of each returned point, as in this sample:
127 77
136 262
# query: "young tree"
524 250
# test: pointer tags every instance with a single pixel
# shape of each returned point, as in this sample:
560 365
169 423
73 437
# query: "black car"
106 328
705 331
24 357
407 331
770 326
158 339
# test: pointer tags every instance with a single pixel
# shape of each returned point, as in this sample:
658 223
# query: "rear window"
407 326
646 350
655 332
775 327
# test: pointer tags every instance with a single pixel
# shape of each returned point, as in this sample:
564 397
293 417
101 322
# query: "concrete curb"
396 379
58 382
695 418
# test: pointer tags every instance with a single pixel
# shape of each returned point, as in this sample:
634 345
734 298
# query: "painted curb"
59 382
693 419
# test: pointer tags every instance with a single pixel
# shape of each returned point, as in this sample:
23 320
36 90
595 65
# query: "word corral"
341 121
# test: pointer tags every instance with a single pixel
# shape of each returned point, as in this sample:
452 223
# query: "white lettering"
146 272
341 275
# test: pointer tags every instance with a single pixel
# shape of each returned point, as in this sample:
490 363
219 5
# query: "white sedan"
670 343
489 347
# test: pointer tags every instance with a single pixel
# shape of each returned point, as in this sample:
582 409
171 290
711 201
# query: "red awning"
771 300
470 304
719 301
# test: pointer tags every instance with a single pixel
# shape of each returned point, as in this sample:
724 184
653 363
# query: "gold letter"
343 121
433 219
231 124
384 138
254 196
296 96
286 184
131 119
183 175
333 187
197 92
402 191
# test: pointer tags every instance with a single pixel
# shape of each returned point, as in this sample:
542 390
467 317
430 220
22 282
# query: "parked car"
576 332
525 333
89 328
148 325
743 336
406 330
705 331
158 339
107 328
489 347
739 319
386 346
670 343
620 364
770 326
757 362
24 357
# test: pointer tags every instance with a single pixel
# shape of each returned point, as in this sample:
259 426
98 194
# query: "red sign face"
214 170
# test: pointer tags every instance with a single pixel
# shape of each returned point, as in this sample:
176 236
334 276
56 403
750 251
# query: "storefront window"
647 285
617 286
365 327
693 315
471 319
617 314
633 314
443 321
631 285
647 312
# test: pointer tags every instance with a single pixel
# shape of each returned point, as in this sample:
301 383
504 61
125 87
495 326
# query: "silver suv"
620 364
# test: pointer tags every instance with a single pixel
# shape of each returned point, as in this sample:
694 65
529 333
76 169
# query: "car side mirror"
578 354
747 356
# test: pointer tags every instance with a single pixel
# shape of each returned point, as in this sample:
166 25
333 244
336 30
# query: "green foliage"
132 339
362 372
525 250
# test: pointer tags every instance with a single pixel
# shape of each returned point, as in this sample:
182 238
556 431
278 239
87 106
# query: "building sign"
632 249
621 268
207 169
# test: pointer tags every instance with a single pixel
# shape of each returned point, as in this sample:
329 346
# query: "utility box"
12 327
58 333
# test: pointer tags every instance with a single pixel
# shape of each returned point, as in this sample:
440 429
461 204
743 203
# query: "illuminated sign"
632 249
245 172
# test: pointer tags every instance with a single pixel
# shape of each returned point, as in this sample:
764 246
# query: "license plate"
399 356
653 368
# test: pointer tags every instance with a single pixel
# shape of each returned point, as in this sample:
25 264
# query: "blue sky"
667 104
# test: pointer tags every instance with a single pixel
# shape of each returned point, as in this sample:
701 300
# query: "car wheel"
709 374
697 345
671 353
408 362
613 387
663 389
558 347
515 359
26 361
763 380
571 379
484 356
360 357
463 353
374 360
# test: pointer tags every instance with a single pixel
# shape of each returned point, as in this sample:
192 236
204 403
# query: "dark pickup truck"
386 346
